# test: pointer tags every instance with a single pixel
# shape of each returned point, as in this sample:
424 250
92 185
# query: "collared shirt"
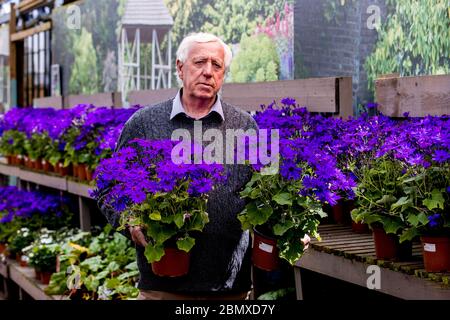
177 107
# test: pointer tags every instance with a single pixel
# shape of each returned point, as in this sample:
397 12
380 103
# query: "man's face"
203 71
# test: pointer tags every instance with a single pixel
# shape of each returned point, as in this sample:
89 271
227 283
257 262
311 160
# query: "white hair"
201 37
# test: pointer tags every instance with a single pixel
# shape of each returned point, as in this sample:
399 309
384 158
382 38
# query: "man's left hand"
306 240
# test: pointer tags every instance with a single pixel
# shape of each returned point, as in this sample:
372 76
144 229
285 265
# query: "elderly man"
220 260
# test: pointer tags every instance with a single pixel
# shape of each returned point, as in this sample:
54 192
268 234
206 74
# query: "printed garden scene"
269 151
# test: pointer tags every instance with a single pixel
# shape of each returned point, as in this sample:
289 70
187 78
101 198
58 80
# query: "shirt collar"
177 107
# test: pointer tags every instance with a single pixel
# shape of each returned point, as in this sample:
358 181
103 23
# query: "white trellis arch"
144 21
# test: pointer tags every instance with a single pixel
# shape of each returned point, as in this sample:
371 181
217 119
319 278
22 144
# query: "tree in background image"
414 40
84 74
257 60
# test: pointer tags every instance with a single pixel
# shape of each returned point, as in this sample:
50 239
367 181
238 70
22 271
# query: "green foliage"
275 207
37 146
12 143
414 40
105 269
20 240
169 219
229 19
84 73
402 198
279 294
43 257
257 60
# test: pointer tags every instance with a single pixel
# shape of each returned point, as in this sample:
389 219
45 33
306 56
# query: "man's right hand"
138 236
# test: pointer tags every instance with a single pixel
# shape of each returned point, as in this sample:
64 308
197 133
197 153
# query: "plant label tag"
265 247
429 247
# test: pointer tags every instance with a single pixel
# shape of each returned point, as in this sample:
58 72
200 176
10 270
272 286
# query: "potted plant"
285 199
279 219
43 258
379 198
169 203
426 198
18 241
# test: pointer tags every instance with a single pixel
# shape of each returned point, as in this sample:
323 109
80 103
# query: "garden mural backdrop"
271 39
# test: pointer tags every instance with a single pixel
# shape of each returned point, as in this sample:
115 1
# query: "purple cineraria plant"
147 188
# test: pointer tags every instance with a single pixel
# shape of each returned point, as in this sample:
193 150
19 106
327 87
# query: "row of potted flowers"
67 141
397 173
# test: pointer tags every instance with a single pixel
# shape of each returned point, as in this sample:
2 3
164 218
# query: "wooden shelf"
24 278
8 170
3 269
346 255
42 179
48 180
80 189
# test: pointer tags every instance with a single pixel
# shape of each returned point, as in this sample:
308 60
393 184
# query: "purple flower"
288 101
441 156
434 220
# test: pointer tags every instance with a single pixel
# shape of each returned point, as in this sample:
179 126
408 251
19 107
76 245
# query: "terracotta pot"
21 261
341 213
436 253
27 162
9 160
64 171
387 246
20 160
265 252
51 168
174 263
38 164
37 274
89 174
45 166
359 227
75 170
81 172
2 247
45 277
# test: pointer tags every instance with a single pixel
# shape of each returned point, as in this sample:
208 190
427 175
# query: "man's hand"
137 236
306 240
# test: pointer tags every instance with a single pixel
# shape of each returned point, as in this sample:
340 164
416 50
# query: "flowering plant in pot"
426 187
287 203
149 190
378 197
42 255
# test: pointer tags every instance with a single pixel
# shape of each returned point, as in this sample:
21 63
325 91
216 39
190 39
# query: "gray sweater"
220 259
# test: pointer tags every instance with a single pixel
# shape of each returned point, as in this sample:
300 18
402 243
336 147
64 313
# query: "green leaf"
280 228
112 283
186 243
155 215
283 199
91 283
154 253
401 202
387 199
408 234
179 220
391 226
436 201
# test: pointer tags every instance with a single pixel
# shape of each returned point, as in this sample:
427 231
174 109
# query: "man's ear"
180 69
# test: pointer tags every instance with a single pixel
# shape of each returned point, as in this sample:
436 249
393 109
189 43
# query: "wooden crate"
331 95
420 96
